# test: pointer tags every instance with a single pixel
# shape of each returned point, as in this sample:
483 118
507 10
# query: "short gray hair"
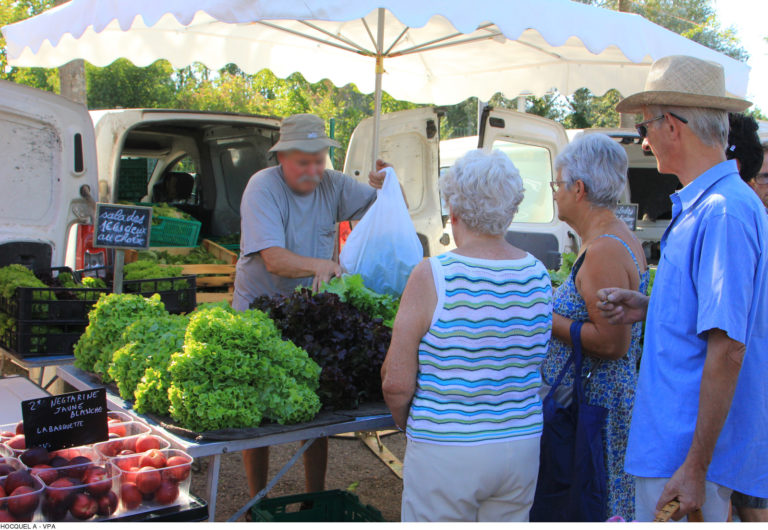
598 161
709 125
484 190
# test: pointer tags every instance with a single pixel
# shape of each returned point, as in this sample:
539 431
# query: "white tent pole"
377 93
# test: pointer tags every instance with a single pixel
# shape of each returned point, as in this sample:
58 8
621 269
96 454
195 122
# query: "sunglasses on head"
642 127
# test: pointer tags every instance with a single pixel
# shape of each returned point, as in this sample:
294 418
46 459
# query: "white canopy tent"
437 52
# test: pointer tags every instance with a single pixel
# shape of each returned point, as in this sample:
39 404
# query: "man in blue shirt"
700 423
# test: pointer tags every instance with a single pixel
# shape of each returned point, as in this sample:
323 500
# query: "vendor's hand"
376 178
622 306
688 486
324 271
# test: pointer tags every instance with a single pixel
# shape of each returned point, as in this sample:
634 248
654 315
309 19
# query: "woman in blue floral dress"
591 177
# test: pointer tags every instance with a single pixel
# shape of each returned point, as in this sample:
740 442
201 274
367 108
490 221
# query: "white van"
410 141
48 174
647 188
200 162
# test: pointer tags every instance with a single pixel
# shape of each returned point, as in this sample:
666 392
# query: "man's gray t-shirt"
272 215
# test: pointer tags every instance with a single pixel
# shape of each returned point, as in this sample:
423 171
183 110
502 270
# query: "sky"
750 20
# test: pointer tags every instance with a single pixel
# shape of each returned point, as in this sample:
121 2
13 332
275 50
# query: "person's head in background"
744 146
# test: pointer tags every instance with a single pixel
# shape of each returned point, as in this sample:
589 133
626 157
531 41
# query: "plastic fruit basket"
134 431
153 479
9 464
82 493
22 504
326 506
122 417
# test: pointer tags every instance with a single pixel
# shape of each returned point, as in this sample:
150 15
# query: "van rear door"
409 140
531 142
47 163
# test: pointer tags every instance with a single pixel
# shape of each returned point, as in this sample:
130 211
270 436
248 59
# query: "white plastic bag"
383 247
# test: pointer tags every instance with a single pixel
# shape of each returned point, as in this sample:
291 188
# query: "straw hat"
303 132
683 81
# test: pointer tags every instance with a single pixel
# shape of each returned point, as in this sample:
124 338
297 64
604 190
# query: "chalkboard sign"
627 212
122 226
66 420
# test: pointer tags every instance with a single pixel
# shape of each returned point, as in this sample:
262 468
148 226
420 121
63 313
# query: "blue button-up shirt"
713 274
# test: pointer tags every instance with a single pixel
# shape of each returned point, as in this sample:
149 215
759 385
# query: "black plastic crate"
33 339
51 304
179 294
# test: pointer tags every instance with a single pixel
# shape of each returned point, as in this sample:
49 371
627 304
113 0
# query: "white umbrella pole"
377 92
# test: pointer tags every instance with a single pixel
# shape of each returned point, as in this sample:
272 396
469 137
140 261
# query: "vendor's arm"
725 283
414 317
606 264
282 262
718 384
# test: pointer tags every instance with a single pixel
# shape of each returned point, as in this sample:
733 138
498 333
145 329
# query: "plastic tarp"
433 52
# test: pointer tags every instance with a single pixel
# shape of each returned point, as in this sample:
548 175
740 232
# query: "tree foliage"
196 87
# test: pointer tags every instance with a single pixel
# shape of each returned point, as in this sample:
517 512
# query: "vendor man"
289 214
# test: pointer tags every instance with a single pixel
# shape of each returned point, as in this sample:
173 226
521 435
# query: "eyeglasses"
642 127
761 178
555 185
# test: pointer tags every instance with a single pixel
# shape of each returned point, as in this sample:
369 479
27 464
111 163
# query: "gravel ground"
351 465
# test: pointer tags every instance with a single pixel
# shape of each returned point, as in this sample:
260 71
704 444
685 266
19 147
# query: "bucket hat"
303 132
683 81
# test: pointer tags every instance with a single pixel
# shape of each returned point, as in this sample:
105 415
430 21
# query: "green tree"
263 93
121 84
13 11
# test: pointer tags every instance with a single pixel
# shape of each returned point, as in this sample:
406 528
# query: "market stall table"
34 363
14 390
327 424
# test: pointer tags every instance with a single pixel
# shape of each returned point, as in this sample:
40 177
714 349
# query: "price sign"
66 420
627 212
122 226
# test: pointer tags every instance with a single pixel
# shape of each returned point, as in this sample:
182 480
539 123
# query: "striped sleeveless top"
478 375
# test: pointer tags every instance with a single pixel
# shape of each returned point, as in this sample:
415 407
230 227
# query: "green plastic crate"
174 232
333 506
235 247
132 179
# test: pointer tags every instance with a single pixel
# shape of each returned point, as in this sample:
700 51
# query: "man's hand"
688 486
376 178
622 306
325 269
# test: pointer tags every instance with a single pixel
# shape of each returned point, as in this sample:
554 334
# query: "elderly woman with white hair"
591 176
461 374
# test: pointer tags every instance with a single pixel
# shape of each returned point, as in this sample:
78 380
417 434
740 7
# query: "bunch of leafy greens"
198 255
66 279
111 315
162 209
15 276
347 343
148 270
560 275
149 343
231 239
235 370
351 289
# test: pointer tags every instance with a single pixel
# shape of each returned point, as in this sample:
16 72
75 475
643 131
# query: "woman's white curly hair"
484 190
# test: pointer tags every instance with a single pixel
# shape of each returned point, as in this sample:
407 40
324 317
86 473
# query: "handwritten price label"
122 226
67 420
